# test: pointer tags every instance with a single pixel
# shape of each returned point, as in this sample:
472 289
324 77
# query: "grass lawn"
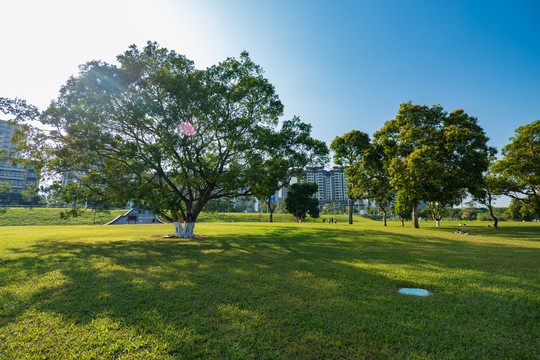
249 290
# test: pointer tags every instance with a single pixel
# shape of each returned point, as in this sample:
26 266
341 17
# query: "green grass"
51 216
269 291
264 217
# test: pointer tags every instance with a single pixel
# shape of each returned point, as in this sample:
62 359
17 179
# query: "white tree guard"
178 229
184 231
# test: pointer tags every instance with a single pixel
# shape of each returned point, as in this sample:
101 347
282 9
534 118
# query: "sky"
339 65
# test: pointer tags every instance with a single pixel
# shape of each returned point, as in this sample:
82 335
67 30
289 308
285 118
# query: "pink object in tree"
187 128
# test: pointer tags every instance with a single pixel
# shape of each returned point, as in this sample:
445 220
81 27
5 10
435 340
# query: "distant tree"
436 155
5 186
300 200
225 205
469 213
326 209
425 214
31 195
280 206
81 199
349 151
403 207
437 211
520 166
295 149
453 213
51 196
369 209
493 186
519 211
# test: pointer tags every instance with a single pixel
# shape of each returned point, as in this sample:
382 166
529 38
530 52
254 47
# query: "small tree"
5 188
402 207
30 194
492 187
437 211
349 151
300 200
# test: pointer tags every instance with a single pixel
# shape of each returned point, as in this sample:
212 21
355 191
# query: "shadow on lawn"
506 230
285 294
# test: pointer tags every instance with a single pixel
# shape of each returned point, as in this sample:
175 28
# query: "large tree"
436 156
154 130
520 166
349 152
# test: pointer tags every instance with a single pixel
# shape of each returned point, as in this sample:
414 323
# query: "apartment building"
15 175
332 184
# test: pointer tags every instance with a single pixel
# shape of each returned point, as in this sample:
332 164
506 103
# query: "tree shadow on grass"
530 232
284 293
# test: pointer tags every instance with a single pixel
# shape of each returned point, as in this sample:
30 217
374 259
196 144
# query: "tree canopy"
520 166
154 130
435 156
300 200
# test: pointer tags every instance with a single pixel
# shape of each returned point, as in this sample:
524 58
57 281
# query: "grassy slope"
282 290
51 216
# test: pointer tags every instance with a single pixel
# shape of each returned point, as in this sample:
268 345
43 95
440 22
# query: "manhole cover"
414 291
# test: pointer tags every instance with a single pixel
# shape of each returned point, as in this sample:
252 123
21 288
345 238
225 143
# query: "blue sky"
346 65
339 65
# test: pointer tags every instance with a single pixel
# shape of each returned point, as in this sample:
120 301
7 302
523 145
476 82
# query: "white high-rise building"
332 184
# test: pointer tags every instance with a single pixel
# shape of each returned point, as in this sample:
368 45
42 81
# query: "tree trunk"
178 229
402 222
415 215
184 231
351 211
188 230
437 222
271 216
384 217
495 220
